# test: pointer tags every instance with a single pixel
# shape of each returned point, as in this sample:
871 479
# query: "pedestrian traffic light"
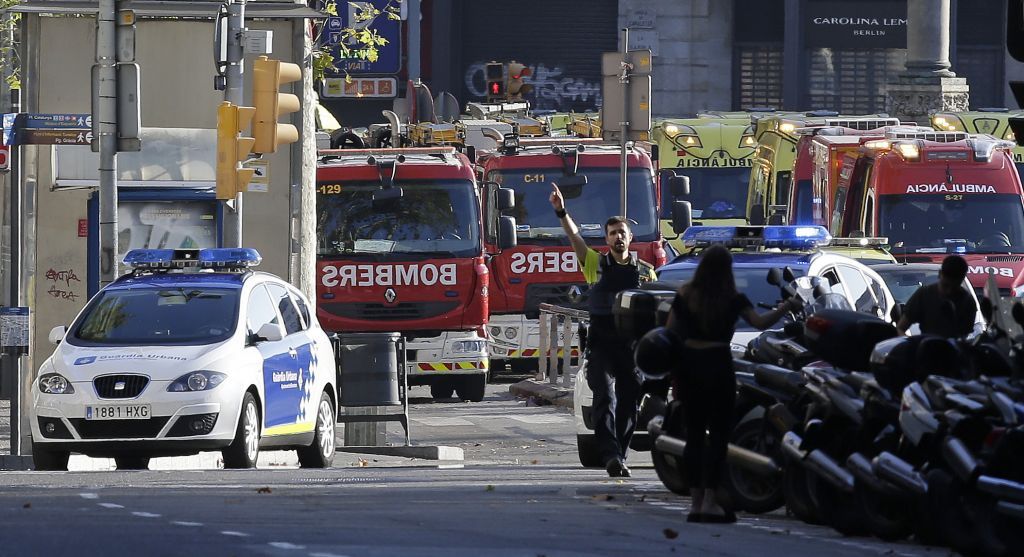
516 88
495 74
232 149
267 77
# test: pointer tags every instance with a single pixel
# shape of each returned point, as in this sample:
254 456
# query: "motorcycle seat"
779 377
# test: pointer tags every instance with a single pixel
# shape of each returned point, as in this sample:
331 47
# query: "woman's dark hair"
710 293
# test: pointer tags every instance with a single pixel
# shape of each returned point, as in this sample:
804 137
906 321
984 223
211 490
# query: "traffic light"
232 149
516 87
495 74
267 77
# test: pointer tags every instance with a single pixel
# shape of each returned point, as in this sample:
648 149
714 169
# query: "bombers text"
427 274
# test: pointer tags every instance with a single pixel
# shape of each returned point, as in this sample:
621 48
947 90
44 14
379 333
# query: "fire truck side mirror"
507 233
679 186
682 216
506 199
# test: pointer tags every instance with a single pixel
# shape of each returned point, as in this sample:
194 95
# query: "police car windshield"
904 281
751 281
432 217
589 205
158 316
715 193
953 223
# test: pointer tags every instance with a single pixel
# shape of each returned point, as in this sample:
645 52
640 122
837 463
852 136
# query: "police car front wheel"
245 449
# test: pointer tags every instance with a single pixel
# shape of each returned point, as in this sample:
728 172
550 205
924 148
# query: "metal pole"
553 350
14 360
234 95
566 350
106 60
625 120
543 346
414 39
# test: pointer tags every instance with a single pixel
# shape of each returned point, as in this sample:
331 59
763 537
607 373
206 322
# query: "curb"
556 395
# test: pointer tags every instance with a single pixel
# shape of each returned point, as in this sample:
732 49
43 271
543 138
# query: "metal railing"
547 355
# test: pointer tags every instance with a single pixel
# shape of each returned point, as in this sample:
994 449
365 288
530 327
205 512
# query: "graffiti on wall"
60 286
552 89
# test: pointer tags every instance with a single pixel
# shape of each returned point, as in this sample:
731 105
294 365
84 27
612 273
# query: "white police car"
191 351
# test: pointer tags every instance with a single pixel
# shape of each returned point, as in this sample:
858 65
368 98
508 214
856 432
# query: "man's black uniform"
948 316
611 374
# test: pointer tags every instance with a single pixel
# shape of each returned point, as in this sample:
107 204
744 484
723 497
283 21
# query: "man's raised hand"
556 198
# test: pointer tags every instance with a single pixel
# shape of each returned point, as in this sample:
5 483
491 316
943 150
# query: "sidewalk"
346 456
546 392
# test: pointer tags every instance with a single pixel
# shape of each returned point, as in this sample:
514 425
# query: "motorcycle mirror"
787 274
774 276
897 312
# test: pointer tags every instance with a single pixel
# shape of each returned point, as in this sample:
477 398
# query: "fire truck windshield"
953 223
432 217
589 205
715 193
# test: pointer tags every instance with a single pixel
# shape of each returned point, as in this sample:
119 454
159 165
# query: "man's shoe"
616 468
626 473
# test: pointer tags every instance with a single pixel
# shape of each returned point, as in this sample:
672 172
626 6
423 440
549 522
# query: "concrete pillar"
928 38
927 85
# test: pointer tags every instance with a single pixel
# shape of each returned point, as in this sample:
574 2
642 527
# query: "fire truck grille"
399 312
863 123
557 294
1005 258
120 386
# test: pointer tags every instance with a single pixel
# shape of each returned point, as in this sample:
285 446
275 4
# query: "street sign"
613 109
76 121
5 157
32 136
360 87
389 56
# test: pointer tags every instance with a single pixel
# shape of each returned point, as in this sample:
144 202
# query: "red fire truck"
543 267
400 247
937 193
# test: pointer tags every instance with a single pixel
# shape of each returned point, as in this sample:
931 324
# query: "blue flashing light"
209 258
787 237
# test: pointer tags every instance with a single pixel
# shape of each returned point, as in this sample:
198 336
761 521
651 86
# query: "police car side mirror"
57 334
507 238
270 332
506 199
682 216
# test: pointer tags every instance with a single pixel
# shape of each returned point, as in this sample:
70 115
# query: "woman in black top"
704 313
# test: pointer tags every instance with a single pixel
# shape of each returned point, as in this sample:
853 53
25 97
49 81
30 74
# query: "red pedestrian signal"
494 72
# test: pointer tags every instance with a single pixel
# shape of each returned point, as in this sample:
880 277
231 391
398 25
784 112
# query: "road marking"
236 534
88 496
111 505
145 514
286 545
443 422
184 523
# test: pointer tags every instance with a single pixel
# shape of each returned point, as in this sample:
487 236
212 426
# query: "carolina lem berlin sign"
874 24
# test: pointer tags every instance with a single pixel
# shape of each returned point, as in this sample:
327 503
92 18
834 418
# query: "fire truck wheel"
471 387
442 388
524 365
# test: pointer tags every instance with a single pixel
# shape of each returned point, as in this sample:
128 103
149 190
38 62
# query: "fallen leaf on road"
534 461
604 497
263 490
363 463
670 533
489 488
27 506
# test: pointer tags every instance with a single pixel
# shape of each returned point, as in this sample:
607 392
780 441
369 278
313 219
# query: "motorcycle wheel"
669 468
745 490
796 491
884 516
837 508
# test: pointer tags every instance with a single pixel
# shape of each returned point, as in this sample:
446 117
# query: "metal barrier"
547 355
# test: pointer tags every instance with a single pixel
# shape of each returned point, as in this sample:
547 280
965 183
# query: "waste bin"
368 368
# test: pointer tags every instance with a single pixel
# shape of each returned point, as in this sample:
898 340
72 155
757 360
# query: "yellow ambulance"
990 121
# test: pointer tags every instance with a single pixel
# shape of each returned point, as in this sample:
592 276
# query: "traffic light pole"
233 94
624 134
105 106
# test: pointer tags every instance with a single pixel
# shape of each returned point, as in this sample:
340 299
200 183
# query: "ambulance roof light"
983 147
863 123
908 150
878 144
209 258
941 137
792 237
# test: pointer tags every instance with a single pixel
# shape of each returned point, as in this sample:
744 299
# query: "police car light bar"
860 242
209 258
791 237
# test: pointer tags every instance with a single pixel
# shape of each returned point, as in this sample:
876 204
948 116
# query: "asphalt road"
519 492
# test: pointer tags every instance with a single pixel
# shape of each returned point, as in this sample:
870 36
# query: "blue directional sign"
47 129
75 121
389 56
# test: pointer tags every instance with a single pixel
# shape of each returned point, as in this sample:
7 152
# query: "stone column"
928 85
